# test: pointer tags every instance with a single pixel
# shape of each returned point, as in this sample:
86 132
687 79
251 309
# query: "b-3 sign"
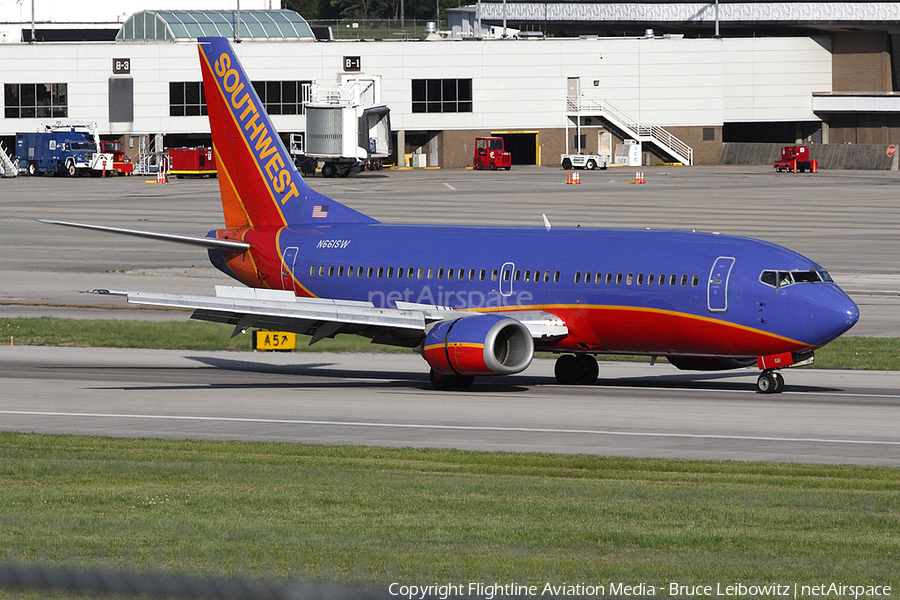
121 66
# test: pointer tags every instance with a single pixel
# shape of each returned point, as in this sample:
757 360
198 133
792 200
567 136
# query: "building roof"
190 24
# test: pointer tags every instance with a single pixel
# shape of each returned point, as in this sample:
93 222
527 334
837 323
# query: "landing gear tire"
576 370
439 381
770 383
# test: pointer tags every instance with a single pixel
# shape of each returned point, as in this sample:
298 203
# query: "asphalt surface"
639 410
847 221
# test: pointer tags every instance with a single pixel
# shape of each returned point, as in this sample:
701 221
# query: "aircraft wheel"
450 382
588 369
768 383
779 382
566 369
439 381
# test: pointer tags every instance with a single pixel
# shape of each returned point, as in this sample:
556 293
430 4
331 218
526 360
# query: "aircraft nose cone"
836 315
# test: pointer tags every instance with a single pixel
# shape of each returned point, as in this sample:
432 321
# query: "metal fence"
377 29
98 582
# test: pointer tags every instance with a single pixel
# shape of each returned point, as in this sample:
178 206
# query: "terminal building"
696 83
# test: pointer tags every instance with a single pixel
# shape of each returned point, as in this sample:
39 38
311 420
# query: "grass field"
843 353
376 515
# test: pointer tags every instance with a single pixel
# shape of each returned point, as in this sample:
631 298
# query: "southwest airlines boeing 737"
477 301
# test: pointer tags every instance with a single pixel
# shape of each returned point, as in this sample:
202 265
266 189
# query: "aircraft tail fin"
259 184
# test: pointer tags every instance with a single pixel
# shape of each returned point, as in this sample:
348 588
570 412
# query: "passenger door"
717 287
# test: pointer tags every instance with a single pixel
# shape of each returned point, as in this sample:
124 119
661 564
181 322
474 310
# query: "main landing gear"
770 382
576 369
439 381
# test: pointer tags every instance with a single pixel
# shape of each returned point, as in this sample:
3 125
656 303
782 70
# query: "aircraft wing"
321 318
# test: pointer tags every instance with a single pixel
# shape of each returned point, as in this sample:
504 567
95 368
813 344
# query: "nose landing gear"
770 382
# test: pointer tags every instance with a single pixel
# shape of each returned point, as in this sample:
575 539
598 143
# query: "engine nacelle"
478 345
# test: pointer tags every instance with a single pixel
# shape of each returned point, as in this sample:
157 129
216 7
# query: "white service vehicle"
585 161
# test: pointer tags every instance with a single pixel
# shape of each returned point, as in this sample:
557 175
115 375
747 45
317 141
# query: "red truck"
796 159
491 154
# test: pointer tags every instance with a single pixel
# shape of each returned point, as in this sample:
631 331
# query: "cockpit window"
780 279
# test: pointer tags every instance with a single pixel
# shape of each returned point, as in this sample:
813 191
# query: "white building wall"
516 84
773 79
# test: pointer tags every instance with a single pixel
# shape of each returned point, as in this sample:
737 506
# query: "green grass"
377 515
843 353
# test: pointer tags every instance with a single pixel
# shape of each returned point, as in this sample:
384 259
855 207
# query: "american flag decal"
320 211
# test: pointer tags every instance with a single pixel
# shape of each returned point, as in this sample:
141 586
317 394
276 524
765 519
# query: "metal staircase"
646 133
8 168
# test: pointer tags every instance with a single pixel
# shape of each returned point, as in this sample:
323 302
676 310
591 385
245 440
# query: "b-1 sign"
352 63
274 340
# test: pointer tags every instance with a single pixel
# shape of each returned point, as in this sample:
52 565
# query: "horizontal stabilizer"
204 242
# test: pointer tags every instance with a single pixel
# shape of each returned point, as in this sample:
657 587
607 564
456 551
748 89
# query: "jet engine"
478 345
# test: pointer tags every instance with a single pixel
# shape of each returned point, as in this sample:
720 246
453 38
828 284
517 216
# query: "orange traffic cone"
569 178
815 166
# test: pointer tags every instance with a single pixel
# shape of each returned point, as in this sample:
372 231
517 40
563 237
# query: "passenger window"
420 273
494 275
518 274
409 273
349 271
577 276
556 277
683 280
340 271
449 274
587 277
359 271
599 278
321 270
618 279
430 272
640 279
662 280
650 279
527 276
399 272
312 270
695 281
370 272
673 280
380 272
471 274
482 274
608 278
630 279
546 276
390 272
441 273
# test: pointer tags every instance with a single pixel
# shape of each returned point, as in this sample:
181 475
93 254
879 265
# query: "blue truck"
65 151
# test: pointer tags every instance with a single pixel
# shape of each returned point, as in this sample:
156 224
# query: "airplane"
479 301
